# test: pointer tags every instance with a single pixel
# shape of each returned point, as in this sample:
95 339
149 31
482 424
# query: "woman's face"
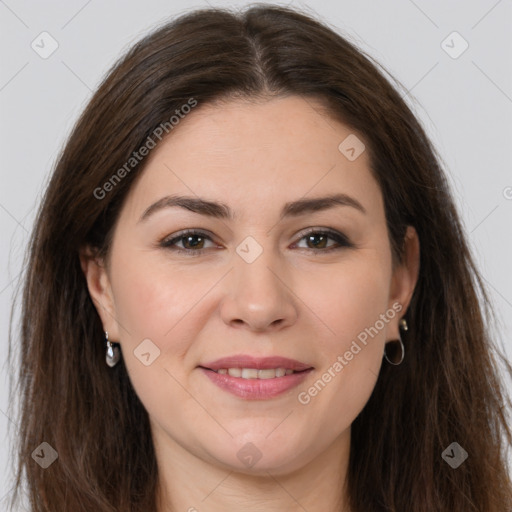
272 269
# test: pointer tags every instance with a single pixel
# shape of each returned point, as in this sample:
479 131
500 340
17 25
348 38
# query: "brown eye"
317 240
191 242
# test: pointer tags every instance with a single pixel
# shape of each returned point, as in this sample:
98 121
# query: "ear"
100 290
405 277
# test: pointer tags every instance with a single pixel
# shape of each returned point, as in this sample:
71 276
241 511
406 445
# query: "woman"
248 287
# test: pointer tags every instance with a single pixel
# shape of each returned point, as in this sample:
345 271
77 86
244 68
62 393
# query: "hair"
448 387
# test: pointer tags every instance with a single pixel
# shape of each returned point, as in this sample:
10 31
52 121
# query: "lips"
265 363
250 378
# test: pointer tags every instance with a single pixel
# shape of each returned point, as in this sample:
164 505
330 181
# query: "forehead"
250 154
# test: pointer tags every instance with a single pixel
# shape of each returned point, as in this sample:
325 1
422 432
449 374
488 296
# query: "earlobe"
100 290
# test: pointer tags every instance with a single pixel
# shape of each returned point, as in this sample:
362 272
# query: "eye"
193 242
318 238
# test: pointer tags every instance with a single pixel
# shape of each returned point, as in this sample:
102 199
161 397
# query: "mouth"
256 378
254 373
247 362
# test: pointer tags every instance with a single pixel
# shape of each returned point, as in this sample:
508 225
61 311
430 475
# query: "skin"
294 300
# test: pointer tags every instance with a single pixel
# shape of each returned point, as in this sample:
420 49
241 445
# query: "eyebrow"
222 211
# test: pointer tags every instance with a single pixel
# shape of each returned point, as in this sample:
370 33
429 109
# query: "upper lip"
259 363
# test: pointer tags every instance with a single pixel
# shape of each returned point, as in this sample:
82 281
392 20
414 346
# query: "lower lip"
256 389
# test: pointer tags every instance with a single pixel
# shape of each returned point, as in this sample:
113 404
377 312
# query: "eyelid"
318 229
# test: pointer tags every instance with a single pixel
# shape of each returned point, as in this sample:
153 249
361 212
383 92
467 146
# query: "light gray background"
464 103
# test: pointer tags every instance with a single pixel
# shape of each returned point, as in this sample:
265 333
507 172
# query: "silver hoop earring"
391 353
113 352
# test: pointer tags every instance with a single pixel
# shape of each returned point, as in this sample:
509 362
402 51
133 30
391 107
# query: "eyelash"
339 238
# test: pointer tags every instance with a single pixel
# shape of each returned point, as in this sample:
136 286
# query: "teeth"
253 373
264 374
249 373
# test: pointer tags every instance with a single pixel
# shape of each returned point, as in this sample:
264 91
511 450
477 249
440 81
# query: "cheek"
353 307
156 302
349 299
152 300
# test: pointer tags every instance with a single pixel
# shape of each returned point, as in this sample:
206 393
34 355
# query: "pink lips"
256 389
261 363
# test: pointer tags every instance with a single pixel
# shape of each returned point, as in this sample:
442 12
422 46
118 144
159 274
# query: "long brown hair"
447 389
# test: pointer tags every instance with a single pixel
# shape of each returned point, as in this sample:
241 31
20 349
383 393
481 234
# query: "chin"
254 458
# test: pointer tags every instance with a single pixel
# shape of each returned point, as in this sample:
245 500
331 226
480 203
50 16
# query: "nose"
259 297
